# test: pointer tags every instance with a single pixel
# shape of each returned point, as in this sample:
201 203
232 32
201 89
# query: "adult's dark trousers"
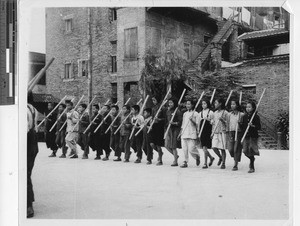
32 150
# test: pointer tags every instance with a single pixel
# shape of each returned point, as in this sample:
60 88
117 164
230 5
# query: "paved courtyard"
89 189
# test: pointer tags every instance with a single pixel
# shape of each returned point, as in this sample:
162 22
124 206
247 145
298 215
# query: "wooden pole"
198 102
38 76
222 113
159 109
84 132
174 113
51 111
87 109
211 100
115 119
126 118
237 125
253 115
59 117
103 120
141 112
74 110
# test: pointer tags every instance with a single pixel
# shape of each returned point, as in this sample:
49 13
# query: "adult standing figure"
50 135
32 150
157 133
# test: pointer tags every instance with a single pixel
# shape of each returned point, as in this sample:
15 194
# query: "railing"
268 126
208 45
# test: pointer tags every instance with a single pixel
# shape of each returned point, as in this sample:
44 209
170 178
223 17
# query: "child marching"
171 141
189 134
84 121
115 138
125 132
72 130
136 142
61 130
157 131
146 137
234 133
104 138
219 131
250 142
94 142
50 135
205 130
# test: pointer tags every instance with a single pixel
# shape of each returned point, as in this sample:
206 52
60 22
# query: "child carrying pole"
234 133
250 126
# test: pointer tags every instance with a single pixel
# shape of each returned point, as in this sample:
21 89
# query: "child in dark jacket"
250 143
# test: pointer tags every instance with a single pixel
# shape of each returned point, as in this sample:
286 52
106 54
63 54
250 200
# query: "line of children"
221 130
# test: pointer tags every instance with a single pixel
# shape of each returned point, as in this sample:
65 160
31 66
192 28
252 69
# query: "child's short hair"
63 105
148 110
157 98
69 102
108 107
52 104
222 102
175 101
127 107
192 102
96 106
253 104
83 105
207 103
238 106
136 107
115 107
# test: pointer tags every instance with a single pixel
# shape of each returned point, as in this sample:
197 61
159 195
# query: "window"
112 14
249 89
114 92
68 72
82 68
186 47
113 64
68 23
169 42
155 40
113 47
131 43
206 39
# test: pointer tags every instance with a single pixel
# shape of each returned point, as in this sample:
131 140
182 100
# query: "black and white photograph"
154 112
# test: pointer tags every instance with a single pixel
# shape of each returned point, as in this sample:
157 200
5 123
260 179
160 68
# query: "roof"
44 98
262 34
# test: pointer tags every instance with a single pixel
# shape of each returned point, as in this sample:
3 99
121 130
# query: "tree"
223 81
165 70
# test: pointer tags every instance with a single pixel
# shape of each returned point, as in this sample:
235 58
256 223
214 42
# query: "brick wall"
272 75
73 46
130 70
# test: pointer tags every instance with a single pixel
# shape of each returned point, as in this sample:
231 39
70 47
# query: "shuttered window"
68 71
82 68
130 43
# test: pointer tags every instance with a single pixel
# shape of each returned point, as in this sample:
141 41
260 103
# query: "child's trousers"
189 145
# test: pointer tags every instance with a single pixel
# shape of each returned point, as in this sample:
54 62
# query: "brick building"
120 37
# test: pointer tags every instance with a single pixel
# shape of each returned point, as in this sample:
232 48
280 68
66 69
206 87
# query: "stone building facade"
120 38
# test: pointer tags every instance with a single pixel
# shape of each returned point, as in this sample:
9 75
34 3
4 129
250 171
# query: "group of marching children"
166 124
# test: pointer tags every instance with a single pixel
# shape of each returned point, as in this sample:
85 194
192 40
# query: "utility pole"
90 60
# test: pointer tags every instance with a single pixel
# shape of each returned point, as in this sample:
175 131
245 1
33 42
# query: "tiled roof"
262 33
44 98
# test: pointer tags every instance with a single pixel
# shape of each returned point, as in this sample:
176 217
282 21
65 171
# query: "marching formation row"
166 124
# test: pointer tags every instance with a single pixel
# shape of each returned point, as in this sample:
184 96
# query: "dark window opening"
131 43
206 39
113 14
113 64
